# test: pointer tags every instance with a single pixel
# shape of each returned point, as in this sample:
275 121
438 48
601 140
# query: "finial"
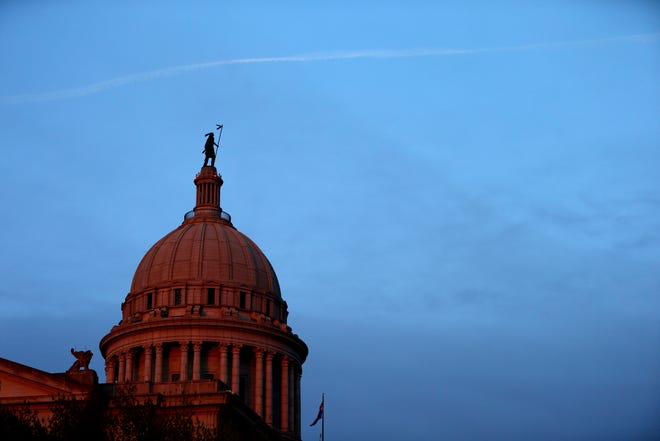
211 147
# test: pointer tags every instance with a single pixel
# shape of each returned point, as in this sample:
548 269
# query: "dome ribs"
274 283
227 242
243 265
257 264
159 254
175 262
215 266
210 264
200 252
151 257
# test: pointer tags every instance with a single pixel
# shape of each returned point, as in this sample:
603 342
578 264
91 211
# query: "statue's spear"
218 127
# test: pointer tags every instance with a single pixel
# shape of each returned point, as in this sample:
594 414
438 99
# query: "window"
210 296
241 300
267 306
177 296
176 377
150 300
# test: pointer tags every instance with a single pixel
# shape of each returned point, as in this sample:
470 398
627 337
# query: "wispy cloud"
301 58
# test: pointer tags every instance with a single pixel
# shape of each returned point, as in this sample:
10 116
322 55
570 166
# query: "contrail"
322 56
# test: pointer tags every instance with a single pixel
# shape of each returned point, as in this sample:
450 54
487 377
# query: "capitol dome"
205 257
205 315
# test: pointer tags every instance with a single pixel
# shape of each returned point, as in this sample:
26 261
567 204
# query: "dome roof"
206 250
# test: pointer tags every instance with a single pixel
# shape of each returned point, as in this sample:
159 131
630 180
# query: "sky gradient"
461 202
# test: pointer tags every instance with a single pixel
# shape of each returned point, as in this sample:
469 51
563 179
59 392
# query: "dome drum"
205 300
216 332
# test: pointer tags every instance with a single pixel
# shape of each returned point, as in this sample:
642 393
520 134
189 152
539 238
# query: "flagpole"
321 416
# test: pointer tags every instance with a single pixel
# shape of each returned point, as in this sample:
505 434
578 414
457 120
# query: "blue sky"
460 199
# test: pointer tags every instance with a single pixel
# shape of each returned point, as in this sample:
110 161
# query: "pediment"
19 381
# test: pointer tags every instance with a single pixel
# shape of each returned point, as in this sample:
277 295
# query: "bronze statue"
209 149
82 360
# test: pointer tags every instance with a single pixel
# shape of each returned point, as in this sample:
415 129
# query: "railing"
223 215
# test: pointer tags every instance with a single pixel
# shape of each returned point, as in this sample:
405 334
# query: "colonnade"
268 381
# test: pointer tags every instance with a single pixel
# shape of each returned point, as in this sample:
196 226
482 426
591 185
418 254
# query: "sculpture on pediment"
82 360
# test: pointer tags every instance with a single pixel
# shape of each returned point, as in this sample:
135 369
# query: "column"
148 353
129 367
292 411
110 370
259 381
284 419
159 363
183 376
269 388
197 360
223 348
235 366
296 399
122 368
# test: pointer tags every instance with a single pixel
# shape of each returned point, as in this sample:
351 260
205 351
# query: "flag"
319 416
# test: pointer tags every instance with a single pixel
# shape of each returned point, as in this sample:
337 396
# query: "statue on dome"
210 148
82 360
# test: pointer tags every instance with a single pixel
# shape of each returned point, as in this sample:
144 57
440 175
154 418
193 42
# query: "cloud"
302 58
